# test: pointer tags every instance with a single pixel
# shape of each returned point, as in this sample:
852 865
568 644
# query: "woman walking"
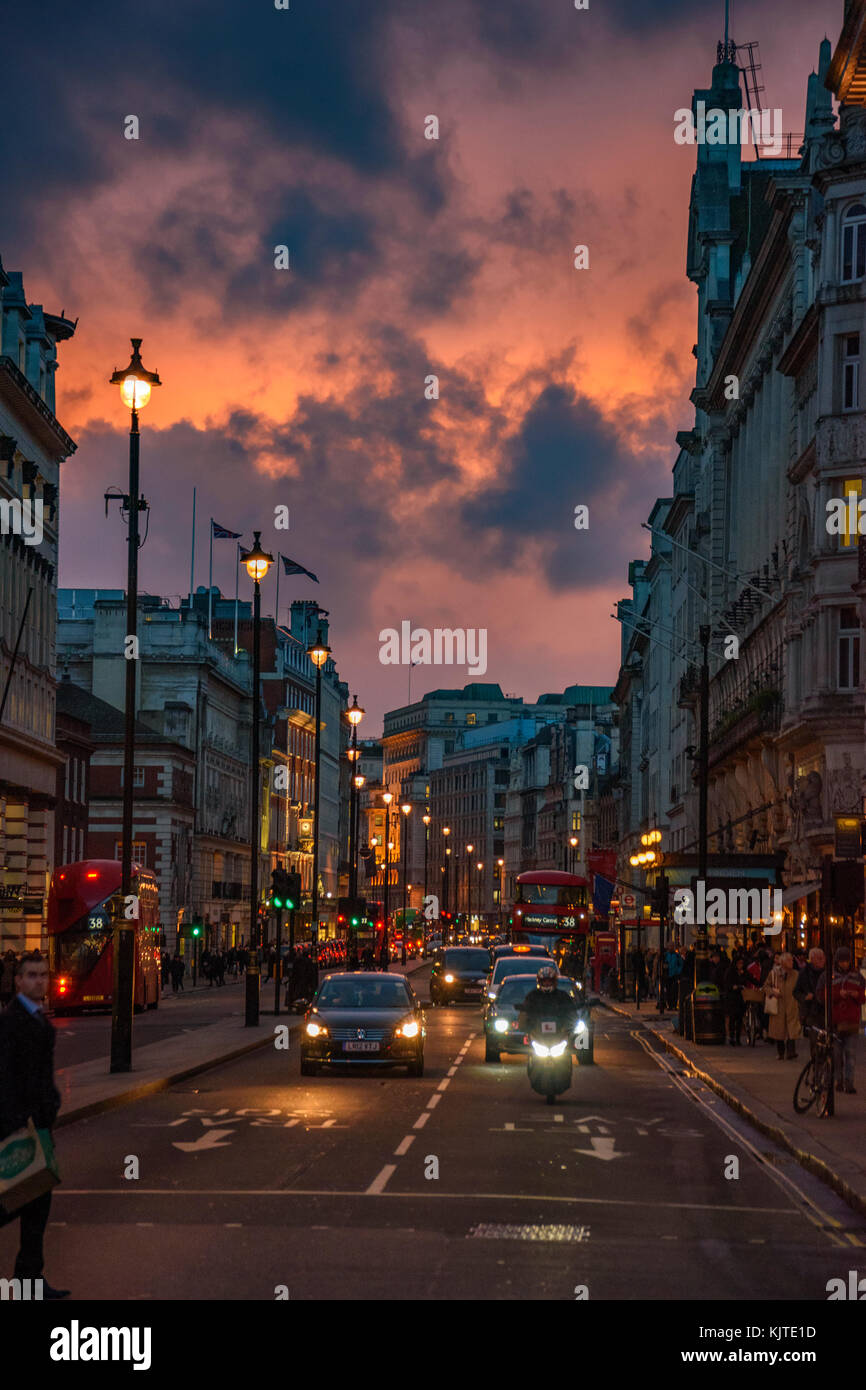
781 1006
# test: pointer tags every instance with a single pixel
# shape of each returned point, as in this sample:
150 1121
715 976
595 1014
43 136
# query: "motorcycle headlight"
410 1029
501 1025
540 1049
558 1048
449 979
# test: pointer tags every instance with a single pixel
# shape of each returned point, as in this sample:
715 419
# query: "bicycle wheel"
805 1089
823 1085
751 1026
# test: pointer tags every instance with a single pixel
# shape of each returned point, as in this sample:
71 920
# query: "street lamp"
574 842
257 563
318 652
426 820
479 867
469 849
135 387
387 797
357 782
404 836
501 865
354 714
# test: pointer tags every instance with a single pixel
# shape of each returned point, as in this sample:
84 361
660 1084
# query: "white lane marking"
601 1148
451 1071
144 1223
443 1085
559 1119
422 1120
403 1146
233 1225
433 1102
380 1181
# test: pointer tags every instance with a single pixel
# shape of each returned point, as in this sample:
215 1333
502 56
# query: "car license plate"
361 1047
473 989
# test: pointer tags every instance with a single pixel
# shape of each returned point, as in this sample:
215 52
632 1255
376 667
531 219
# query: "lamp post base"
251 998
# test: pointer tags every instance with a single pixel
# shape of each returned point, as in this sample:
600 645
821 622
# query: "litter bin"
708 1017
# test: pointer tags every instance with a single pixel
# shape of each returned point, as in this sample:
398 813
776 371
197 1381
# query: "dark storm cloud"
564 454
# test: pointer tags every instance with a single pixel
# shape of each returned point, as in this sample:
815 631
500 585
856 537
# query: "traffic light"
277 876
291 890
351 910
195 929
660 897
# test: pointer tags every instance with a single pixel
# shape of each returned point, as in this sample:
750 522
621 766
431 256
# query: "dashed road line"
422 1120
443 1085
403 1146
380 1182
433 1102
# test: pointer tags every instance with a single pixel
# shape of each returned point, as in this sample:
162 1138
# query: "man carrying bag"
29 1102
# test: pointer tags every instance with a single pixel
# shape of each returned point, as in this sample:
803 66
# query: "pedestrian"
219 966
736 980
206 962
367 959
848 992
781 1006
177 972
806 995
673 967
166 970
7 977
384 957
28 1092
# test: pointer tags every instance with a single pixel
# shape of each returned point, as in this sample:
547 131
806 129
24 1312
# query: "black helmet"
546 975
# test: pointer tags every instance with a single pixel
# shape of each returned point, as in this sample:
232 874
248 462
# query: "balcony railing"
225 889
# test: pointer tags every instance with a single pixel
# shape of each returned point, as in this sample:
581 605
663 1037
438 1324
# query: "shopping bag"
28 1167
771 1005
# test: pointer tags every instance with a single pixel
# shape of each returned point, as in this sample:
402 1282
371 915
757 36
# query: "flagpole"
210 583
277 614
192 554
237 571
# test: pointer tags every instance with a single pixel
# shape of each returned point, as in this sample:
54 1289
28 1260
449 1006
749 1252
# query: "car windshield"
515 990
514 965
352 993
467 960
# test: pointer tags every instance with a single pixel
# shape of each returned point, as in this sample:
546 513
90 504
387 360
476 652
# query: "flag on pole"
290 567
219 533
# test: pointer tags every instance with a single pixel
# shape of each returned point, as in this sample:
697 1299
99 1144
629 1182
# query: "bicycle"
815 1082
752 1023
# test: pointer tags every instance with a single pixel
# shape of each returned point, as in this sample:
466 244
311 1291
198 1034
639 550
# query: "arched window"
854 242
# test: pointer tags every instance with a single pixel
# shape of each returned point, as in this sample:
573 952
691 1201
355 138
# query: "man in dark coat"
27 1092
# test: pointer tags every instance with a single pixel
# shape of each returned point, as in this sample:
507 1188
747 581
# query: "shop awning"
798 891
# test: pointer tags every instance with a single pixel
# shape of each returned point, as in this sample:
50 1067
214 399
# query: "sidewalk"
761 1089
88 1087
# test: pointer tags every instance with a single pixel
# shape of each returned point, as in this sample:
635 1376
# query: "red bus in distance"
84 900
552 909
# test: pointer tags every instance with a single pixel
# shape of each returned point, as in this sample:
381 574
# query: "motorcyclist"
546 1003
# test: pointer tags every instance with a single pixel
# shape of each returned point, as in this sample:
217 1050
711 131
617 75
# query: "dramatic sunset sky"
305 127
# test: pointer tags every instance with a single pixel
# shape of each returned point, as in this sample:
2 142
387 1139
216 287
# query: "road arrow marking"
601 1148
211 1139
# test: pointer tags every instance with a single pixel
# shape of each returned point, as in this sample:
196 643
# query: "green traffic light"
276 902
196 931
290 905
356 921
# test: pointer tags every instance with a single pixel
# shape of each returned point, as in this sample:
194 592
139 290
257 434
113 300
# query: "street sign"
628 900
849 836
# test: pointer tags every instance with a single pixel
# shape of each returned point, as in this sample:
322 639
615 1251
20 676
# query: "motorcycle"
549 1066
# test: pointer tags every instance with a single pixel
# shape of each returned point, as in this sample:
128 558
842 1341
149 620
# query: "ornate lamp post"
354 714
426 820
406 808
257 562
469 849
574 842
357 782
135 387
387 797
318 652
446 831
479 867
501 866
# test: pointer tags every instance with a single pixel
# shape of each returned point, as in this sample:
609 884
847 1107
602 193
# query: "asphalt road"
461 1184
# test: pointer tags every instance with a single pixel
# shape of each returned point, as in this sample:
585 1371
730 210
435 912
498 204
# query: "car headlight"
315 1030
449 979
580 1026
410 1029
491 994
501 1025
540 1049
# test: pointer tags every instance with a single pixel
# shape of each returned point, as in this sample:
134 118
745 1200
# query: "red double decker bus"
552 909
84 900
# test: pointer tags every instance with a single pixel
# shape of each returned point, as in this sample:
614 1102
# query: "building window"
854 243
851 371
138 777
449 717
849 649
472 719
139 852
